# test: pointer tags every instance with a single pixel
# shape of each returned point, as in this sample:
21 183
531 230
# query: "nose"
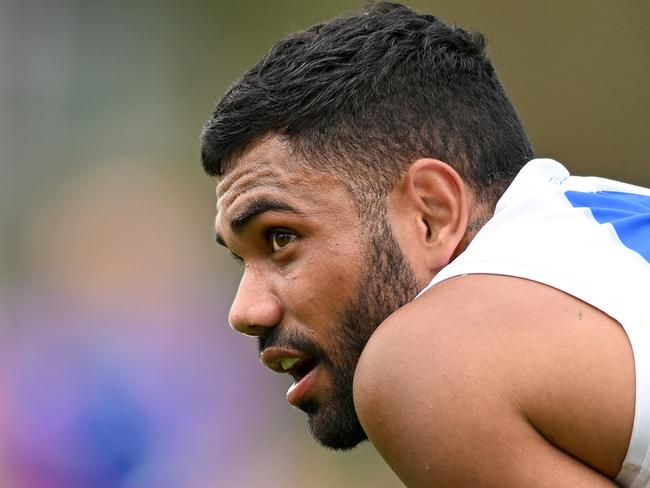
256 308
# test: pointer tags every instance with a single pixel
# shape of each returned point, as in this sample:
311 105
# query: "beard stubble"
386 283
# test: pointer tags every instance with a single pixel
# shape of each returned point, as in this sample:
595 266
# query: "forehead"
269 167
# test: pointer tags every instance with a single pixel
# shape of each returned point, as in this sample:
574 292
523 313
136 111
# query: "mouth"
302 367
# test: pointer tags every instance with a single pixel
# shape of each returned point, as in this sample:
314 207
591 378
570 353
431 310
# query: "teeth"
287 363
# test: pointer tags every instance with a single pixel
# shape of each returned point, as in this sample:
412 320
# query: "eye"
280 238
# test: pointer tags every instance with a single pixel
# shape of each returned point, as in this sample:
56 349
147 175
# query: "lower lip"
297 392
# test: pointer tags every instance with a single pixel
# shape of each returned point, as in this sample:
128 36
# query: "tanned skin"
490 380
484 380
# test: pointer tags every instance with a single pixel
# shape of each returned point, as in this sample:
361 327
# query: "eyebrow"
253 210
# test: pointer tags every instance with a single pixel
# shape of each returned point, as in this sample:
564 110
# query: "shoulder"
488 368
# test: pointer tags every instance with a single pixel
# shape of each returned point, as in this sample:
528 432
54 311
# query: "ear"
435 202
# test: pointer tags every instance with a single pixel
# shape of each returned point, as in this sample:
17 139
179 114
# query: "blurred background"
117 367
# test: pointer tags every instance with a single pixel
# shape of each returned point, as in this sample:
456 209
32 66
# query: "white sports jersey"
589 237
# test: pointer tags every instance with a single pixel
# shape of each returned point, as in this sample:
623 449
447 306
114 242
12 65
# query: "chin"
337 429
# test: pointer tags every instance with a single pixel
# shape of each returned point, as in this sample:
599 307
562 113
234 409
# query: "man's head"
347 157
364 96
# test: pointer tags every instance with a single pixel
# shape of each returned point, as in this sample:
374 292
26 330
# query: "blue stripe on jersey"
629 214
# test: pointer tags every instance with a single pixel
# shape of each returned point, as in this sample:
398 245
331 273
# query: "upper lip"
297 363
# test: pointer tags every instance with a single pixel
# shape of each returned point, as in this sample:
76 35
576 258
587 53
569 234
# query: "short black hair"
364 96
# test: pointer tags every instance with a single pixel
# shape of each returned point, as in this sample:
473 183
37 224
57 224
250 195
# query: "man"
374 159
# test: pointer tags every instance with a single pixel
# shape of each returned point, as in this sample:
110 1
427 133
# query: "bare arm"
450 396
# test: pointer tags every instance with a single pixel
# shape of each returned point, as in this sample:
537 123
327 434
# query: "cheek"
317 290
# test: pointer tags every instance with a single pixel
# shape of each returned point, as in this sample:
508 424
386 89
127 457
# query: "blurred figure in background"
112 372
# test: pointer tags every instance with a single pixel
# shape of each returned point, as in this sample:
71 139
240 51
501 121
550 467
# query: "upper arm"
447 400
